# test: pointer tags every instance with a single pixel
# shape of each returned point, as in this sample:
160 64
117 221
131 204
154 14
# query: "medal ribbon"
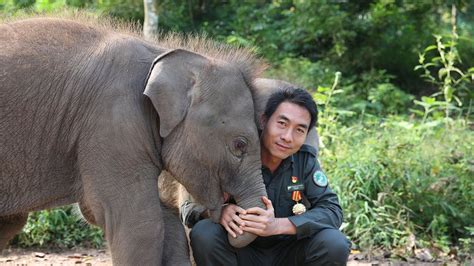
296 196
298 208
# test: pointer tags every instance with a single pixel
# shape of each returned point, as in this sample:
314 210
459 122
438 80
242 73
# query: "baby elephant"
92 115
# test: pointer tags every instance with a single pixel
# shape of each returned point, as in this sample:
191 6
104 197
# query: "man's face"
285 131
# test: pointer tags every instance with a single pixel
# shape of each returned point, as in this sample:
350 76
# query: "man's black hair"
297 96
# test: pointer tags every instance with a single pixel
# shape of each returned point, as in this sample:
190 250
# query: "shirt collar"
284 164
287 162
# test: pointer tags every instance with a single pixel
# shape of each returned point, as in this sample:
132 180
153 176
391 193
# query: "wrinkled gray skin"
173 195
175 248
76 126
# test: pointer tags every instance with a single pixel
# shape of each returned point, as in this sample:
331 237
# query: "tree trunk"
150 25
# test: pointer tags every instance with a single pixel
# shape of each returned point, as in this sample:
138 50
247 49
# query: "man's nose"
287 136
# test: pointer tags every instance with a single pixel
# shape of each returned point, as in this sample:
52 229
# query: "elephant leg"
176 248
128 210
10 226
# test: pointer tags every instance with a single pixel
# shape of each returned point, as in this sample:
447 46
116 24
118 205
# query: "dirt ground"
101 257
24 257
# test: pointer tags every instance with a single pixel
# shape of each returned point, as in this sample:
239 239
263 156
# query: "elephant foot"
10 226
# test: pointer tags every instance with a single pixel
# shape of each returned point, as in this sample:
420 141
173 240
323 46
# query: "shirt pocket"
285 205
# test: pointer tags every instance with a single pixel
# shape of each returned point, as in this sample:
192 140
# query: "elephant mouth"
216 210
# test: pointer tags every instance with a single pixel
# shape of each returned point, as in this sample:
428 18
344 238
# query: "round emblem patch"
320 179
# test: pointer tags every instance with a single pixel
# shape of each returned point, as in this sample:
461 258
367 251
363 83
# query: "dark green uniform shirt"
322 206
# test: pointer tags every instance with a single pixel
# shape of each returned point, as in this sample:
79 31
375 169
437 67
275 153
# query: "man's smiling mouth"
281 146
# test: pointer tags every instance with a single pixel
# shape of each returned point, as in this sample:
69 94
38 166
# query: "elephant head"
206 122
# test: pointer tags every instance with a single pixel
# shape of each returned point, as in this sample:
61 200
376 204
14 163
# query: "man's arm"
325 211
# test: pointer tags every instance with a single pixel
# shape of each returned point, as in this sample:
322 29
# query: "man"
302 216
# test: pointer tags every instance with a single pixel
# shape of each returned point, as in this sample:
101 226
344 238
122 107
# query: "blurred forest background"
394 81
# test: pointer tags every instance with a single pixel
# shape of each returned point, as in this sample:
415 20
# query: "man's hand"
230 219
259 221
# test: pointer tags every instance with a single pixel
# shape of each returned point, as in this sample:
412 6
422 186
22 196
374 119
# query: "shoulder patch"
320 179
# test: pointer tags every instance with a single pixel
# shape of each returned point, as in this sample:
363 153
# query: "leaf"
417 67
455 69
431 124
428 100
448 93
431 47
345 112
425 105
421 58
418 112
320 97
442 72
457 100
430 65
323 89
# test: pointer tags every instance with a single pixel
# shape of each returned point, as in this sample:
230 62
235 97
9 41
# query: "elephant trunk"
250 197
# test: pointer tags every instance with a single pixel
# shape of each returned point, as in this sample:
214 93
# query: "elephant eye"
240 145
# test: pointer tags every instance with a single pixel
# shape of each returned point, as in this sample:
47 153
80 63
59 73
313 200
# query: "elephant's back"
40 55
53 73
46 39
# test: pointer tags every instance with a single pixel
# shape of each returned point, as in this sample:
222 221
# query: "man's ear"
262 121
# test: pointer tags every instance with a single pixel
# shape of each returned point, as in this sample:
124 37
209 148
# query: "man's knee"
206 235
329 245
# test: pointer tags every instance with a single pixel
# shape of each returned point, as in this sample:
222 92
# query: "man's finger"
232 233
240 210
252 218
255 225
237 219
255 210
235 228
254 231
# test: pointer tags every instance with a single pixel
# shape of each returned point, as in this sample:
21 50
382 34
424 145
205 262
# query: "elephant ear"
263 88
168 85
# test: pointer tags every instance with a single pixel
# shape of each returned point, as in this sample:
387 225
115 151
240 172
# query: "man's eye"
282 123
301 131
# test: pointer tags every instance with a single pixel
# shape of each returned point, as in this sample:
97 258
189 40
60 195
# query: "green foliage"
58 227
23 3
353 36
356 38
452 82
372 92
396 179
129 10
302 71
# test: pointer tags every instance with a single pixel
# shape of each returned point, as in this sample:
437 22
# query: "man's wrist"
285 226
